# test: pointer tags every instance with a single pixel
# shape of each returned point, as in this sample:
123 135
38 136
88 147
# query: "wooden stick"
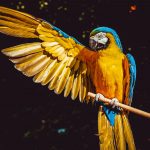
126 107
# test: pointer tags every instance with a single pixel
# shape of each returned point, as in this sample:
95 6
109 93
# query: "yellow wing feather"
17 24
62 80
76 85
69 84
23 49
51 71
53 61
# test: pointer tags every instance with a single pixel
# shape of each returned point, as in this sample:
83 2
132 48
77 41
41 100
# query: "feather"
71 41
76 85
41 75
58 51
62 42
90 88
46 28
19 15
49 44
61 83
61 57
49 72
47 34
13 25
53 83
119 134
52 49
30 62
105 131
15 20
68 41
23 59
69 84
73 52
83 88
17 32
128 133
54 32
59 70
76 66
132 70
71 62
46 38
22 49
36 68
17 24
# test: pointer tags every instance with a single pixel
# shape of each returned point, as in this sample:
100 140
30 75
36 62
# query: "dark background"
32 117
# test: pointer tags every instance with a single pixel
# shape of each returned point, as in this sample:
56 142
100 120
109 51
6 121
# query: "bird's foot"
114 103
97 96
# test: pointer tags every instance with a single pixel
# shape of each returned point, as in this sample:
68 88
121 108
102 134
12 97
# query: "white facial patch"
98 41
100 38
103 40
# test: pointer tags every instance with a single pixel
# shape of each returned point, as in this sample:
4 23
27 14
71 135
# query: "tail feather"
117 137
119 134
128 133
105 131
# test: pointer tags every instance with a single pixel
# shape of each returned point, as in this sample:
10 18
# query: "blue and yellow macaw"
63 63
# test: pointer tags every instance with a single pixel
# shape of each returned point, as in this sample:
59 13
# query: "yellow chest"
108 75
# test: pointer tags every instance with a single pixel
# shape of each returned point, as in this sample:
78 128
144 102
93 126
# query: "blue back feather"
132 70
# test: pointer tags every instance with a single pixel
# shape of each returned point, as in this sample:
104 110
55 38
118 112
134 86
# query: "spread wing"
54 60
132 70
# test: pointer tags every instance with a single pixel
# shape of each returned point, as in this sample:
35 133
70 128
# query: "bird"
65 65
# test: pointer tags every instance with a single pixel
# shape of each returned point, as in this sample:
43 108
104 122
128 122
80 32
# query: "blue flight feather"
109 30
132 70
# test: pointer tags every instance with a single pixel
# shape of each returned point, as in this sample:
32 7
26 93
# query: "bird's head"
101 37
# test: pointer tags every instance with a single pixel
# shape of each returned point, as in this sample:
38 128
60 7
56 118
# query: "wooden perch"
126 107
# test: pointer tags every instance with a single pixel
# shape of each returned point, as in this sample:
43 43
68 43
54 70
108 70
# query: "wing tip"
4 51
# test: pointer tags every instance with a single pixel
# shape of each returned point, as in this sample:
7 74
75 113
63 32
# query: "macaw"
65 64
